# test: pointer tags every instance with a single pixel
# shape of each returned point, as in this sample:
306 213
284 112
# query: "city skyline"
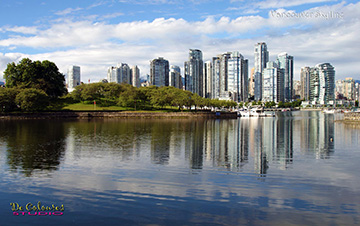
98 34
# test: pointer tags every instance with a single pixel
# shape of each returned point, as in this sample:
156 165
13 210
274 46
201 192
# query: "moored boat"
255 112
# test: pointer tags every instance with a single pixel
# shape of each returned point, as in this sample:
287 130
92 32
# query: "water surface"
300 168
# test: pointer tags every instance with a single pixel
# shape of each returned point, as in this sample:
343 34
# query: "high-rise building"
305 83
215 80
286 62
207 79
223 79
261 58
135 76
237 77
175 77
322 84
297 89
229 77
119 74
349 88
194 72
112 74
252 83
339 89
159 72
73 77
124 75
273 84
357 91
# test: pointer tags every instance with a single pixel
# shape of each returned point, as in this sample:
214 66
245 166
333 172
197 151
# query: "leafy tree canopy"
32 99
43 75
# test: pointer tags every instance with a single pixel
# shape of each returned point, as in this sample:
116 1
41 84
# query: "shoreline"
115 114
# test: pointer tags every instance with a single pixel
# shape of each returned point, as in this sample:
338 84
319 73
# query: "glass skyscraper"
286 62
273 83
194 72
261 58
73 77
322 84
159 72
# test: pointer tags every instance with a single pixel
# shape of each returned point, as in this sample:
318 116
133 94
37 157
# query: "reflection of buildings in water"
194 144
317 131
160 143
226 143
197 145
283 154
257 145
272 140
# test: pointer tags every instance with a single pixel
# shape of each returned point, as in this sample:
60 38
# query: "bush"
7 99
32 100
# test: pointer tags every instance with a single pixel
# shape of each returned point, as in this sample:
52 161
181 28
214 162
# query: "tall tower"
286 62
112 74
135 76
252 83
322 84
327 83
215 79
208 79
73 77
305 83
175 77
159 72
261 58
237 77
123 73
224 91
194 72
273 85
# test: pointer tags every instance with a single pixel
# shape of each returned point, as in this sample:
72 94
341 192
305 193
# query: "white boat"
255 112
329 111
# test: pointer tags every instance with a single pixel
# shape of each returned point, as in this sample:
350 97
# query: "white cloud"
111 16
96 45
273 4
23 30
67 11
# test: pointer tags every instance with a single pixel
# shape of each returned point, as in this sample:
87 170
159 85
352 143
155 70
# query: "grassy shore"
91 107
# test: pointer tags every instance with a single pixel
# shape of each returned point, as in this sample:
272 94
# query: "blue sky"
101 33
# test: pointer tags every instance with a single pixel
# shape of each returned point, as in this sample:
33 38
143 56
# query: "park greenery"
39 86
143 98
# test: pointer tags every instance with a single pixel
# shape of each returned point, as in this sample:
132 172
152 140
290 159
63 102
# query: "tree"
281 104
180 99
198 100
91 92
129 97
43 75
32 99
7 99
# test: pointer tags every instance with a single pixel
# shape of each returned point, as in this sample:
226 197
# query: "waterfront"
300 168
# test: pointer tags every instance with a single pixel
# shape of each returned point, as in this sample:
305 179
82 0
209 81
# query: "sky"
97 34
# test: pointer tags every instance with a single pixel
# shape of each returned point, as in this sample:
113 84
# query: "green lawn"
91 107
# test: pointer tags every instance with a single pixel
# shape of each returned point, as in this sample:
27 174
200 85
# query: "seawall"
115 114
352 116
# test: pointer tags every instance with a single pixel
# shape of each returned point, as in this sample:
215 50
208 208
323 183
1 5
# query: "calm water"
299 170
